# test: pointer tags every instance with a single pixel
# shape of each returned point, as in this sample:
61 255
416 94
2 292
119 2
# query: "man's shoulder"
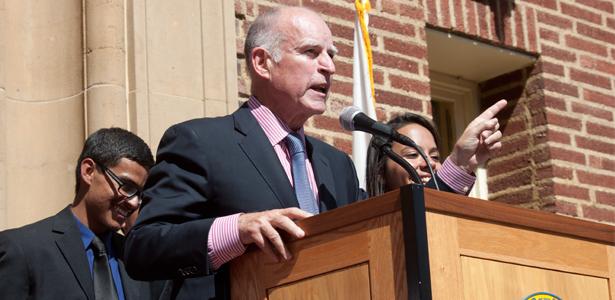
28 238
323 147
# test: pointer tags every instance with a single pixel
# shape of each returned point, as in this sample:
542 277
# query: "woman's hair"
376 159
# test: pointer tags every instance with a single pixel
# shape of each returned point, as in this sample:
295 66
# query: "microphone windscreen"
347 116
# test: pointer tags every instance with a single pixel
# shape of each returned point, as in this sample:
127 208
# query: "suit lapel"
257 148
324 177
68 240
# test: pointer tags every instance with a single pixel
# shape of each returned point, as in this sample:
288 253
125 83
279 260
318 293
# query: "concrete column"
3 213
43 128
185 63
106 93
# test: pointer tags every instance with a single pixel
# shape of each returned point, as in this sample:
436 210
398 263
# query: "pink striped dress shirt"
223 243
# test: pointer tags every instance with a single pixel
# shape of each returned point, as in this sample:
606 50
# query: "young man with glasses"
78 254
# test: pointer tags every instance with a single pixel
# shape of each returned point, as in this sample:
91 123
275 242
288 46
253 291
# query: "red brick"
445 13
550 4
514 198
327 123
343 12
509 164
567 155
405 48
549 35
605 198
343 69
597 64
344 50
341 87
401 9
558 53
562 172
595 145
341 31
483 20
396 99
344 145
600 130
534 86
432 12
517 144
583 45
595 179
571 191
553 20
599 214
598 97
378 77
602 163
559 137
554 69
593 111
471 17
590 78
561 207
399 63
562 88
391 25
580 13
564 121
610 22
554 102
412 85
459 17
515 126
604 6
519 31
595 33
522 177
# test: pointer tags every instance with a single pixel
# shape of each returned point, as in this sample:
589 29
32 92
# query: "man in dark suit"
222 184
57 258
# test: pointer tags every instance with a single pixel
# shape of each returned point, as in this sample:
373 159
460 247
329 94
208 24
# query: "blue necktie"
300 177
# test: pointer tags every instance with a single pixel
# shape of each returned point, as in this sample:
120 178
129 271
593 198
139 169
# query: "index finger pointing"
493 110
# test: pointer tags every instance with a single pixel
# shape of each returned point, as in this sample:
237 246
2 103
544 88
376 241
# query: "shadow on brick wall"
502 10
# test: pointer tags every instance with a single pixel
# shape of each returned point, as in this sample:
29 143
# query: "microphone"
353 119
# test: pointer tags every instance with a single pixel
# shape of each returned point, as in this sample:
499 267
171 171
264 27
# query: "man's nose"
326 63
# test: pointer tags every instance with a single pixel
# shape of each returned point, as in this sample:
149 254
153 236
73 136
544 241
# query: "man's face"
302 77
107 207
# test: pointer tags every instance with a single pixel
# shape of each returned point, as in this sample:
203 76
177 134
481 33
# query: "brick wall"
559 129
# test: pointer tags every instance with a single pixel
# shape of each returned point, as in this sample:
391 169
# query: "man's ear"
261 62
87 168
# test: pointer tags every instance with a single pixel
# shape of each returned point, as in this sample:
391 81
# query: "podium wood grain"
477 250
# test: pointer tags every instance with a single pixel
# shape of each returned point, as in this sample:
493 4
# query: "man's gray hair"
264 33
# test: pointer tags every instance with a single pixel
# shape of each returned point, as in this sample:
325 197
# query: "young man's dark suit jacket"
207 168
47 260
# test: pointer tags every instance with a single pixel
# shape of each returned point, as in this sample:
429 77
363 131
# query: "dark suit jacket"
207 168
47 260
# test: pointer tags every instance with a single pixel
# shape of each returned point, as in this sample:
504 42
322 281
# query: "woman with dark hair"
384 175
477 143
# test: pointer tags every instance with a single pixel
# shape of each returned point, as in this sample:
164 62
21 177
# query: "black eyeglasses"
128 190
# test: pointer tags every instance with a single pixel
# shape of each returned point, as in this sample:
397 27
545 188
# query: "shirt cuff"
223 243
456 178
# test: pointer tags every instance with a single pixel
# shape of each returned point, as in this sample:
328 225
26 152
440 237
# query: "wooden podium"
441 246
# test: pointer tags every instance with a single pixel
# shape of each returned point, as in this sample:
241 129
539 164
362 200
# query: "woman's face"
395 175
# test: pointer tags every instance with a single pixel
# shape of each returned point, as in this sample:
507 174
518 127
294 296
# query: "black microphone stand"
385 146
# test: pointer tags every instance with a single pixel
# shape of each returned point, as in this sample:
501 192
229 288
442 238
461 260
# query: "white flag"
362 87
